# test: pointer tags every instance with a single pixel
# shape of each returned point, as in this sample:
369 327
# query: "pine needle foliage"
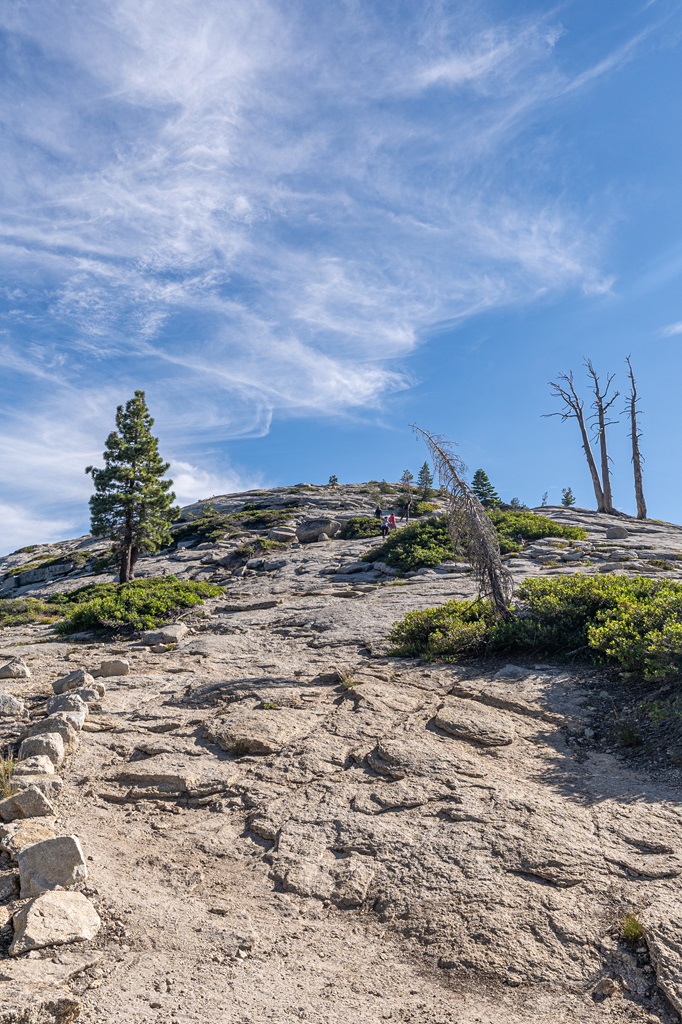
132 503
471 530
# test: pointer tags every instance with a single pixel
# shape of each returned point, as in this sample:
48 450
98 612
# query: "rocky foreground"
272 820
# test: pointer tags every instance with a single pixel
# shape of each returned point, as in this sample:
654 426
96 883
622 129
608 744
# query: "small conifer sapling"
567 497
132 503
484 490
425 482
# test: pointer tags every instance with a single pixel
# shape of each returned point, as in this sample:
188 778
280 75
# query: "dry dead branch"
470 527
635 435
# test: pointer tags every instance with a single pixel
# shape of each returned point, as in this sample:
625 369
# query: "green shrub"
422 508
7 765
634 623
386 488
360 526
518 526
427 543
140 604
22 611
213 526
631 927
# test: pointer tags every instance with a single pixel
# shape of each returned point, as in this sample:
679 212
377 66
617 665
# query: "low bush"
423 508
426 543
140 604
213 526
23 611
517 526
634 623
360 526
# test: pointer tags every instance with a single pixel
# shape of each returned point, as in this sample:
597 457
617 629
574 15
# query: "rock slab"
28 803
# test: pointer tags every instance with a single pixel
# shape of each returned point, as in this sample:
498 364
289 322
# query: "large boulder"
616 533
312 529
56 724
113 667
52 864
54 919
46 744
10 707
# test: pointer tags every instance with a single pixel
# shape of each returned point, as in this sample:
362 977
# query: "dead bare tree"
635 435
469 525
601 405
574 408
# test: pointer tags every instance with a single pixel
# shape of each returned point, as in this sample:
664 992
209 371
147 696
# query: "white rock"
47 744
28 803
53 723
74 718
15 669
54 863
54 919
73 681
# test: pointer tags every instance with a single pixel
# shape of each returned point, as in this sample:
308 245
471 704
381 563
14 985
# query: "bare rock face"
475 722
254 730
172 775
73 681
28 803
15 669
54 919
51 864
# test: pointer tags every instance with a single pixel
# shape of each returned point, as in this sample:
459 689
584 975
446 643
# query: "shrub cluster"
360 526
214 526
634 623
22 611
140 604
427 543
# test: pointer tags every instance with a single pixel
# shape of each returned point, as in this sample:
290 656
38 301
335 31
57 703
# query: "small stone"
51 864
39 764
604 988
589 734
616 533
47 744
90 694
73 681
15 669
10 707
54 919
161 648
28 803
9 885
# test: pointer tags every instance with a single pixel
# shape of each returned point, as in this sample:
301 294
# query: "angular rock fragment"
9 885
113 667
46 744
27 803
171 775
249 730
73 681
15 669
51 864
16 835
54 919
315 529
10 707
49 785
66 702
38 764
57 724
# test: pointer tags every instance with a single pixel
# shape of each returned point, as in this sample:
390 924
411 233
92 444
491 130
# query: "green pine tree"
484 490
132 503
567 497
425 482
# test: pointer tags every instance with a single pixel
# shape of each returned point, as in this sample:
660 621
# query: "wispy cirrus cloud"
261 212
671 330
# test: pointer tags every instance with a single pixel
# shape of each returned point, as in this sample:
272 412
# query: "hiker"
384 527
392 525
407 508
378 514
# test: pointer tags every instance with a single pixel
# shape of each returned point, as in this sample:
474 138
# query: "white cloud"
21 527
671 329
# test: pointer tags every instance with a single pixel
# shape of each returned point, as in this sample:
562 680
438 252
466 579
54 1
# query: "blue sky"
301 227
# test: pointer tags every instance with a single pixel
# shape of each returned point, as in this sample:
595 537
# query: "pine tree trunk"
605 469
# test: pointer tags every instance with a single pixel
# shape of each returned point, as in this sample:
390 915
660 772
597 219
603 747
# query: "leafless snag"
564 389
470 527
635 435
601 405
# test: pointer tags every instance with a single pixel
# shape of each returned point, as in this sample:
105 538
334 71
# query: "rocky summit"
254 814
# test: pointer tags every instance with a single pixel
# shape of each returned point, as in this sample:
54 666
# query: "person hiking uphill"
392 525
384 527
